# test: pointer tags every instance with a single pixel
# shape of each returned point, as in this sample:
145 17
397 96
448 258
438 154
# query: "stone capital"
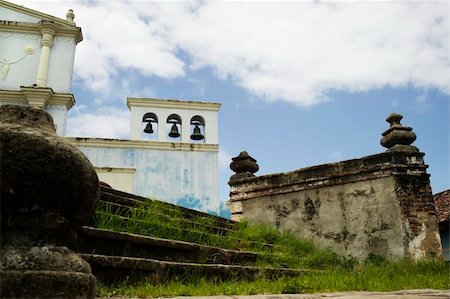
48 30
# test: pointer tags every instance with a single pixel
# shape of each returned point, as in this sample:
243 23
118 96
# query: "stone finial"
70 16
398 137
48 191
243 166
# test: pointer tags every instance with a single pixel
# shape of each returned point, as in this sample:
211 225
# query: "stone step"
204 224
112 243
184 234
131 200
112 269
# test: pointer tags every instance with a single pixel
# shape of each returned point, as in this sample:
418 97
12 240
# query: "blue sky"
302 83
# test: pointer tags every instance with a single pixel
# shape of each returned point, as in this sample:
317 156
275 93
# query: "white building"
182 169
37 53
174 160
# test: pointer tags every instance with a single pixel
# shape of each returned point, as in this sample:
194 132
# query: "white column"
48 31
162 124
186 130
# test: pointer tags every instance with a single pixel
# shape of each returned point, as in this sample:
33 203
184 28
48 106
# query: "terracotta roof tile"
442 201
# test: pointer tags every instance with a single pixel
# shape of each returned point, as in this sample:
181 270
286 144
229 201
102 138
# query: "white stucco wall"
11 15
26 34
61 63
118 178
23 72
59 114
186 178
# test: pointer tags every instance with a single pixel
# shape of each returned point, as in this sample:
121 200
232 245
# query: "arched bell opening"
197 129
173 127
150 126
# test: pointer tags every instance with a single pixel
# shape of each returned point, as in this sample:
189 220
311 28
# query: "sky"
302 83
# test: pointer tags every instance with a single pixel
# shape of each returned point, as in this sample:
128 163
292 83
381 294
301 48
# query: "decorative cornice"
35 13
173 104
66 99
48 31
142 144
37 97
25 27
21 97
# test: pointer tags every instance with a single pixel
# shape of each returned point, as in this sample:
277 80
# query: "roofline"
170 103
43 16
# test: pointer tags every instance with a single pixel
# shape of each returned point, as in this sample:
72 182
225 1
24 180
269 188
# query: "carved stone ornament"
6 65
48 191
70 16
244 166
398 137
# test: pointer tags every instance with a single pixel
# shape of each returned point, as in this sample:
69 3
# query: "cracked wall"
380 204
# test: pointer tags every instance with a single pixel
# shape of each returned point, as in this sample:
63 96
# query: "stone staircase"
116 254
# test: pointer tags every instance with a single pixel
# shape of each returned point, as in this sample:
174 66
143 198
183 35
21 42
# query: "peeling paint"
188 178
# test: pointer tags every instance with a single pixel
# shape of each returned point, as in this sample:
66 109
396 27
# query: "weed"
276 249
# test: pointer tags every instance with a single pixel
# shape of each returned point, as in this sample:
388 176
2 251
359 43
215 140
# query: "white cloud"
299 51
224 159
116 37
293 51
107 122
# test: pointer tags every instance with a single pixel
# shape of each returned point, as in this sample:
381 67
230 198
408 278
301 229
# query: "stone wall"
379 204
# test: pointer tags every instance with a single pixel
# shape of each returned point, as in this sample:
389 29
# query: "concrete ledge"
143 144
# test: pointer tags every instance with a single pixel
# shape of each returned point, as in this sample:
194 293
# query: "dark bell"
174 131
197 135
148 128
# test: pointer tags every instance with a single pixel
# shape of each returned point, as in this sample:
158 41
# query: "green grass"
388 276
276 249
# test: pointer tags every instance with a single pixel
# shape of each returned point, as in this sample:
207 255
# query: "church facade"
172 153
37 53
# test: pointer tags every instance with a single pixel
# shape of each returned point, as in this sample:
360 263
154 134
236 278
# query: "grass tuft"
276 249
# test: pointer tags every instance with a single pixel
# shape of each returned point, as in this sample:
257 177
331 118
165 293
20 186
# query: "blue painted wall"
186 178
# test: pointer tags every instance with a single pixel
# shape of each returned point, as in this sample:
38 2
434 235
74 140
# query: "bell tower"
173 120
172 154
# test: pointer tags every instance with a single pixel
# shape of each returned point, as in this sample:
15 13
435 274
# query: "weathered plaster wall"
379 204
117 178
347 217
23 67
178 175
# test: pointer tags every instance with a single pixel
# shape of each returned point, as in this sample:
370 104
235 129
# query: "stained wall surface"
179 175
359 217
380 204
